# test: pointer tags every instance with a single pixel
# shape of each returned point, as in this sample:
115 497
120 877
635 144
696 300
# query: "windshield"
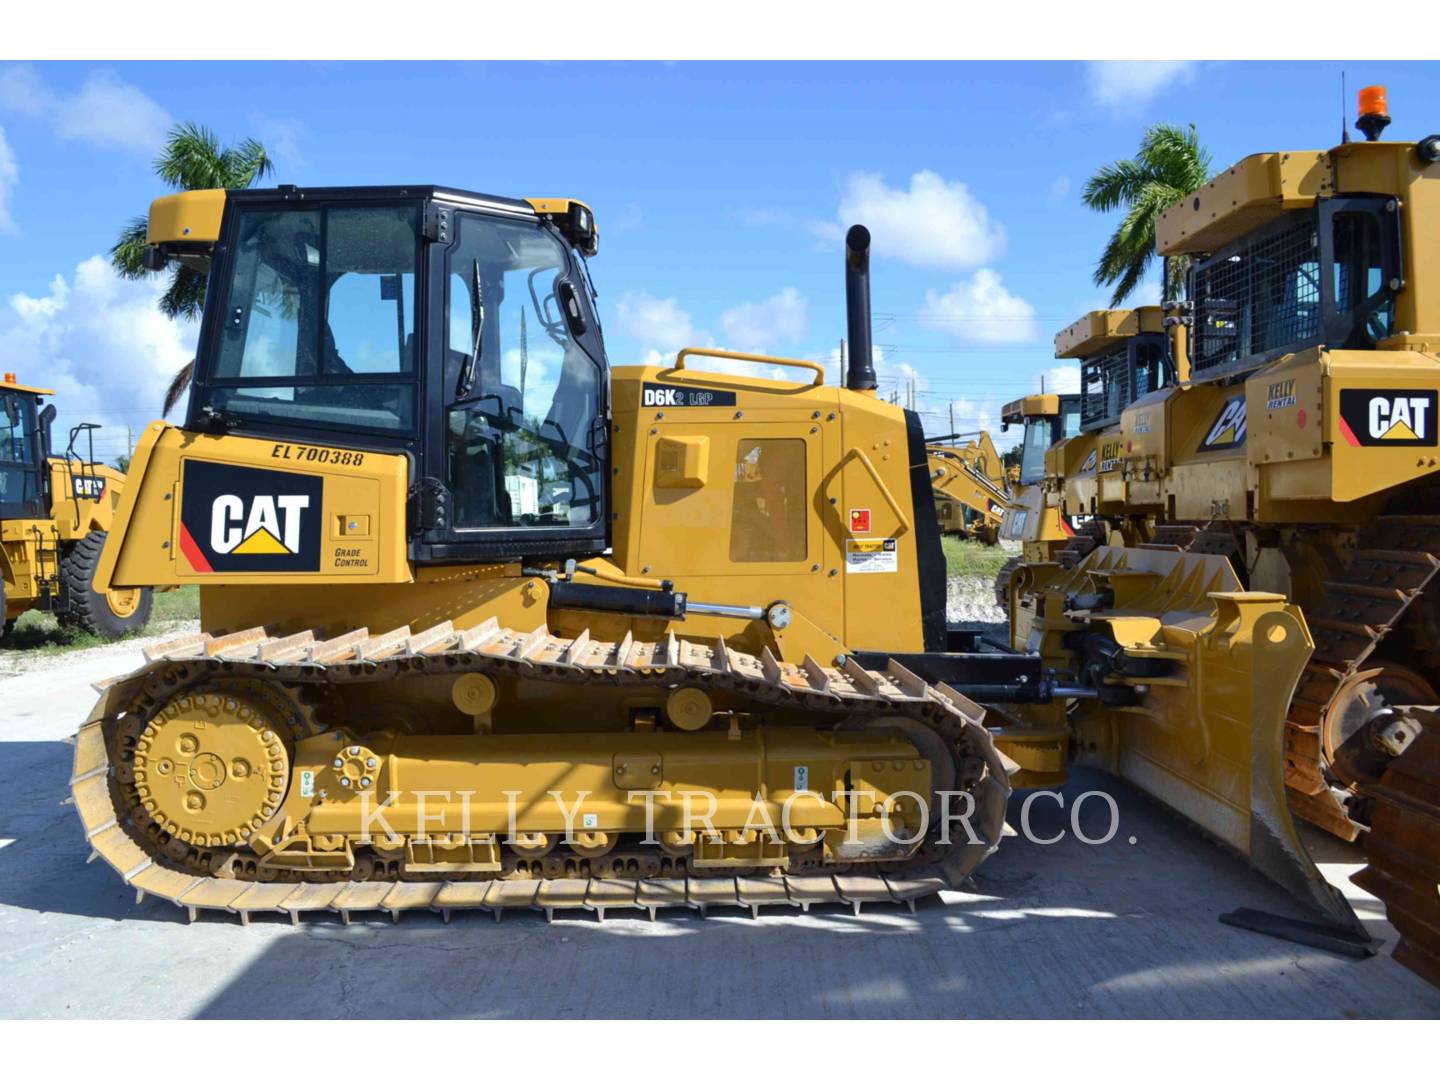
319 321
522 432
1032 456
17 428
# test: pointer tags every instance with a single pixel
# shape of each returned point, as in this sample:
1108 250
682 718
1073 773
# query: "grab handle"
753 358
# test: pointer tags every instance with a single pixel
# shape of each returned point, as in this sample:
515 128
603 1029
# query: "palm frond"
192 158
250 162
185 296
178 385
127 254
1169 165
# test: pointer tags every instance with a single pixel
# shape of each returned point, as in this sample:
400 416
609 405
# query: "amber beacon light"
1374 112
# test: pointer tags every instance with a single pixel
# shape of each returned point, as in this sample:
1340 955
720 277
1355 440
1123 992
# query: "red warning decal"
859 521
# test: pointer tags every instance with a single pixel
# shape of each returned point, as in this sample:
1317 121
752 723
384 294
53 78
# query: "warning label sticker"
872 556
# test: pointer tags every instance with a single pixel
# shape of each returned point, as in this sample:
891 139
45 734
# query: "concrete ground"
1069 930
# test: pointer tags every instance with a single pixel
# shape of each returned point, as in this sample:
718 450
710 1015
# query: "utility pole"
952 417
129 442
524 357
842 361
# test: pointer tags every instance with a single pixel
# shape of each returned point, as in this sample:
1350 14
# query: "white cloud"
1127 85
9 177
281 138
936 222
981 309
1061 379
105 111
100 342
23 93
759 326
660 326
970 415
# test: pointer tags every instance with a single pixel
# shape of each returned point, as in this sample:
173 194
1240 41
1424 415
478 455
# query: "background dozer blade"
1206 736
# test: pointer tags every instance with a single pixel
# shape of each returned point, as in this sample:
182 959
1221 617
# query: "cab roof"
9 383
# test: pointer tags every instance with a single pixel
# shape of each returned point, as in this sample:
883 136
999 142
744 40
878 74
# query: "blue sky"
721 191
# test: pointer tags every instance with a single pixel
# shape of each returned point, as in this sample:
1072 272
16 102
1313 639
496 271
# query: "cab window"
319 322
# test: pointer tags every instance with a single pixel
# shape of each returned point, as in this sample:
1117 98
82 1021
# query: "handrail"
754 358
869 467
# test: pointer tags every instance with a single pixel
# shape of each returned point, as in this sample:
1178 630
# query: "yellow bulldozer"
1032 519
54 513
487 623
971 490
1123 355
1298 460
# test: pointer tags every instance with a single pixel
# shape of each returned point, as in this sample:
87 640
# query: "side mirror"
570 302
12 410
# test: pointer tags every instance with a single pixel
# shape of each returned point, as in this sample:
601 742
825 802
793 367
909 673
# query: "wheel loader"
487 623
1299 460
971 494
54 513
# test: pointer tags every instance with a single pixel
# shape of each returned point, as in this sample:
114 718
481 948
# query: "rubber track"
835 692
1402 848
1396 559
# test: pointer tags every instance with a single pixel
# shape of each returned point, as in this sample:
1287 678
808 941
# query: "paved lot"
1067 930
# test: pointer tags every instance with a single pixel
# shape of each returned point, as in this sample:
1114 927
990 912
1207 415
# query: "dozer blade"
1212 670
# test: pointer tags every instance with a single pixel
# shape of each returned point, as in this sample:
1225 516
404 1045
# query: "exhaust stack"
860 372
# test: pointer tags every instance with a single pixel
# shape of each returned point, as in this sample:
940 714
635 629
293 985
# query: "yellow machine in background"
54 513
1031 519
971 491
1124 355
536 612
1299 460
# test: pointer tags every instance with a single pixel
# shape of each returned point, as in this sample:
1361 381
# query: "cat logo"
235 519
1228 430
262 529
90 488
1089 465
1388 417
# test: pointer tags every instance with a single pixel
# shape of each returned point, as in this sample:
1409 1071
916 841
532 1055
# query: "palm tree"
1170 165
192 159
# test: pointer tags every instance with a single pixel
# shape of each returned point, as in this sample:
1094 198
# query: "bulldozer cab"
1302 250
1123 356
23 450
451 327
1046 419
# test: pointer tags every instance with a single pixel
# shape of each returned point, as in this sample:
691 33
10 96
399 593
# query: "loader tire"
110 615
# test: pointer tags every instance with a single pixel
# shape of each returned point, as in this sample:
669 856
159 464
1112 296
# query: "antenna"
1344 127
